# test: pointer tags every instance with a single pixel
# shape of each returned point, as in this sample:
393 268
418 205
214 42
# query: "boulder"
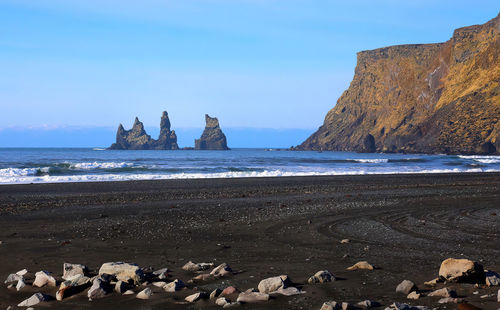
174 286
492 278
361 265
461 270
212 137
221 270
273 284
144 294
123 271
34 300
322 276
443 292
331 305
98 289
251 297
69 287
406 287
222 301
73 270
195 267
43 278
196 297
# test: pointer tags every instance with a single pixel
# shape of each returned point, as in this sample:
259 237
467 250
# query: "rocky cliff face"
212 137
430 98
137 138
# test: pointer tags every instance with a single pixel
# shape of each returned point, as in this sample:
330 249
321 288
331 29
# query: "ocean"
52 165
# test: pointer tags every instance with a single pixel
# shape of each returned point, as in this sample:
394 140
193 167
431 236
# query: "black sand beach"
403 224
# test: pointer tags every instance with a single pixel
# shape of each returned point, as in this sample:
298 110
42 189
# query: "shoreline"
262 227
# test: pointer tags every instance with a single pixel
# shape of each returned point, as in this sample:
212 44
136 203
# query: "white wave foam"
99 165
372 160
484 159
22 179
18 172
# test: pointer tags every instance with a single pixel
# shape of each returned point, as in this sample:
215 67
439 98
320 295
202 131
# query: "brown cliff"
429 98
137 138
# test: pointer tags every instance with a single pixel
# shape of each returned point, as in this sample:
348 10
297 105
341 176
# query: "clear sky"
251 63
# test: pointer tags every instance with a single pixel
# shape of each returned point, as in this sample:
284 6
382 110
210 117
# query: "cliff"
212 137
137 138
428 98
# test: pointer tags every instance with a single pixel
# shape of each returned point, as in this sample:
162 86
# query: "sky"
275 64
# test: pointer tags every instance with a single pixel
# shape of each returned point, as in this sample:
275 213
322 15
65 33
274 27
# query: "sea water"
48 165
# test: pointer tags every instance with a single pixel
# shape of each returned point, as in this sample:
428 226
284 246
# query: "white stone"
221 270
222 301
22 272
13 277
128 292
289 291
331 305
97 290
73 270
160 283
123 271
43 278
251 297
460 270
196 297
161 273
144 294
194 267
492 278
120 287
444 292
34 300
20 285
413 295
361 265
173 286
322 276
273 284
406 287
76 282
368 304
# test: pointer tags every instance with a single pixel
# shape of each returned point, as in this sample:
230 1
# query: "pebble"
229 290
196 297
222 301
344 241
413 295
215 293
43 278
331 305
221 270
252 297
444 292
73 270
173 286
97 290
368 304
195 267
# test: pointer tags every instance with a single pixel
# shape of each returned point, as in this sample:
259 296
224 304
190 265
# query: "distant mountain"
429 98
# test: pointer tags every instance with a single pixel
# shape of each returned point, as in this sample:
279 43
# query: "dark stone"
138 139
212 137
369 144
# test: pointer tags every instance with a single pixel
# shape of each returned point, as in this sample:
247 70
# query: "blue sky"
251 63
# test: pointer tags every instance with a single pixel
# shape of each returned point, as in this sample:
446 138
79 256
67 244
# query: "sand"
403 224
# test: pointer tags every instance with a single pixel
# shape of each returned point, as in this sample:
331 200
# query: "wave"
99 165
22 179
484 159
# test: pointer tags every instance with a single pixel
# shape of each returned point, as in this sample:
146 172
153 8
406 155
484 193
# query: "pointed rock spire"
212 137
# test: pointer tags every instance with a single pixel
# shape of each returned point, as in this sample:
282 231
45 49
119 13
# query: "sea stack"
212 137
421 98
137 138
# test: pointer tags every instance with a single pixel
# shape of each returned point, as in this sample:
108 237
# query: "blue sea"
50 165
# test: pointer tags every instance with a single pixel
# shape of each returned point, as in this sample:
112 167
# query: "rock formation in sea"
212 137
430 98
137 138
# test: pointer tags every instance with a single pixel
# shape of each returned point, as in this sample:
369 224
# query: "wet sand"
403 224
